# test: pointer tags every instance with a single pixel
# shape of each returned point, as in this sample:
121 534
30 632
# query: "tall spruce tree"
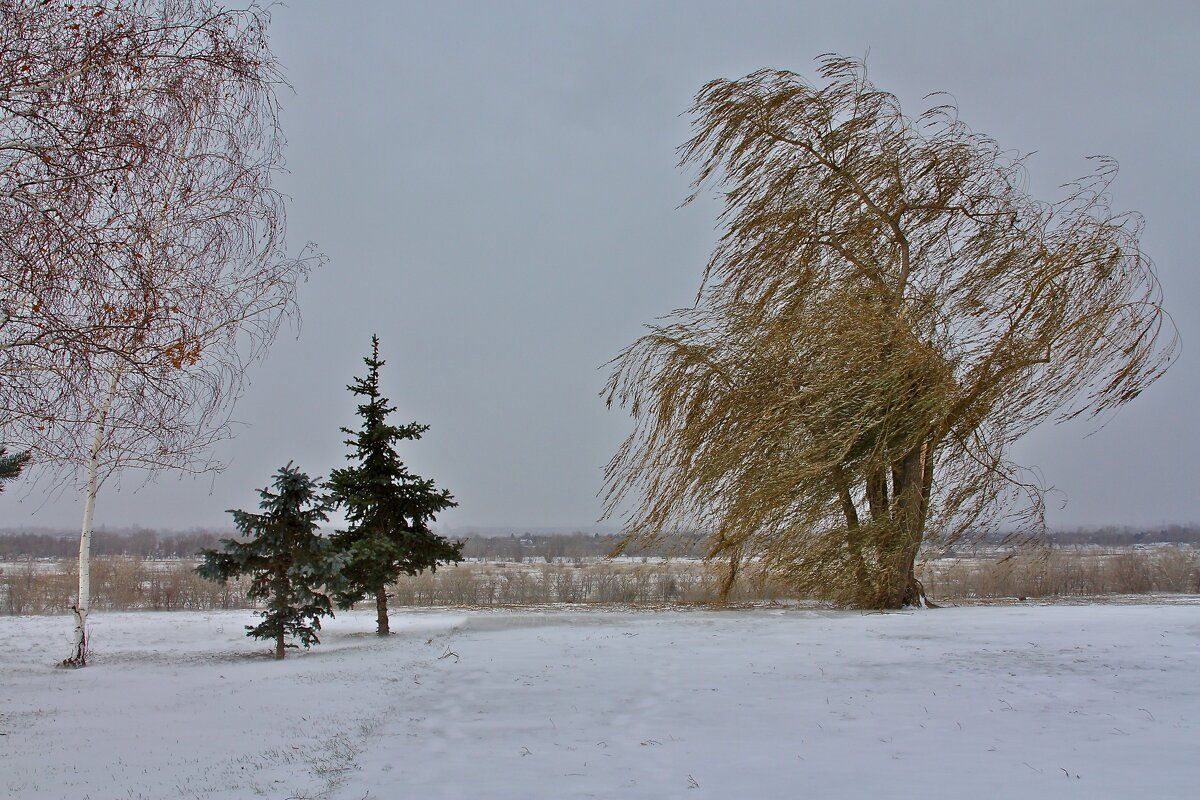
286 558
388 509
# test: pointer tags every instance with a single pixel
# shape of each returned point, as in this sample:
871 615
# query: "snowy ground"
1029 702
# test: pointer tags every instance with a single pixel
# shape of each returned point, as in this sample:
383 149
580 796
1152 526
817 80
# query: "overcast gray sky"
495 186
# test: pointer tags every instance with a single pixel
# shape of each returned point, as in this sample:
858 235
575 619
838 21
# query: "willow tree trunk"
83 599
381 613
909 492
730 577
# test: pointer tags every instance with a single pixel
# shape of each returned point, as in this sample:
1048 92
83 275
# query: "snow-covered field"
1028 702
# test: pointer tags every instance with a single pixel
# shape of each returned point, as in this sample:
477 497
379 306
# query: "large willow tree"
886 313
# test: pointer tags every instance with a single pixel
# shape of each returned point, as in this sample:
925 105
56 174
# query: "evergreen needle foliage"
887 312
388 509
286 558
11 466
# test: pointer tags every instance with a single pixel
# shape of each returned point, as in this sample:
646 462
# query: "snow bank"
1031 702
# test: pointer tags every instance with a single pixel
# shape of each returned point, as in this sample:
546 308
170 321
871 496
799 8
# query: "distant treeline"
571 546
139 543
151 544
1108 536
145 543
1125 537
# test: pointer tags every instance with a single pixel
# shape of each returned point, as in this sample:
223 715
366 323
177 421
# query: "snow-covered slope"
1029 702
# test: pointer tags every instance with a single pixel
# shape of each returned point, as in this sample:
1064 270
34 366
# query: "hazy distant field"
1028 701
48 586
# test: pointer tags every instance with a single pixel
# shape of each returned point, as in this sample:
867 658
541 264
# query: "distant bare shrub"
1179 569
118 584
606 582
1064 573
31 587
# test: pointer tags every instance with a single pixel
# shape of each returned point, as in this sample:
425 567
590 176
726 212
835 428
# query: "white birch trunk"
83 601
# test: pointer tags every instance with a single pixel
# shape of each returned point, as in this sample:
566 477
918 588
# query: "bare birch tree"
887 311
144 265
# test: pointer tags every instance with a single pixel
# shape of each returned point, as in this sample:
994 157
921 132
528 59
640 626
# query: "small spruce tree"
11 466
388 509
286 558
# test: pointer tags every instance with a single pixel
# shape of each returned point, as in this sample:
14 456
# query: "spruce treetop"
286 506
373 445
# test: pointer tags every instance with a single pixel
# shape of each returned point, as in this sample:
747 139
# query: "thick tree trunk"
877 494
908 490
727 583
83 600
280 648
381 612
854 536
910 592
